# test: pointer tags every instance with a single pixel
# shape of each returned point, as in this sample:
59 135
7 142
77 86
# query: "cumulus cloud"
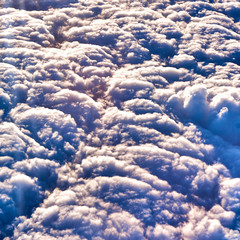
119 119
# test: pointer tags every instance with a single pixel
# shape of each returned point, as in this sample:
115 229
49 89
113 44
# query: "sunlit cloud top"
119 120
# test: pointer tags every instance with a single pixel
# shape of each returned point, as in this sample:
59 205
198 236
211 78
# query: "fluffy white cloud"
119 119
53 129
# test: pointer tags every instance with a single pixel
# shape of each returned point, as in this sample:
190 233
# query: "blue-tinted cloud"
119 119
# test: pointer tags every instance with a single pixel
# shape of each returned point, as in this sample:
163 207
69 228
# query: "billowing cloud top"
119 120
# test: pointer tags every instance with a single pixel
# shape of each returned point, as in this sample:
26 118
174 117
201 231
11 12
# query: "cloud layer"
119 119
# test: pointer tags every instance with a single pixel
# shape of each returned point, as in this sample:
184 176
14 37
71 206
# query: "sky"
119 120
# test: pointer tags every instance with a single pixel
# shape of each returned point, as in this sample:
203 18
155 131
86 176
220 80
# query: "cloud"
119 119
212 227
51 128
43 169
35 4
163 232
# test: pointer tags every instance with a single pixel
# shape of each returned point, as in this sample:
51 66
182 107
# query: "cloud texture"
119 120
